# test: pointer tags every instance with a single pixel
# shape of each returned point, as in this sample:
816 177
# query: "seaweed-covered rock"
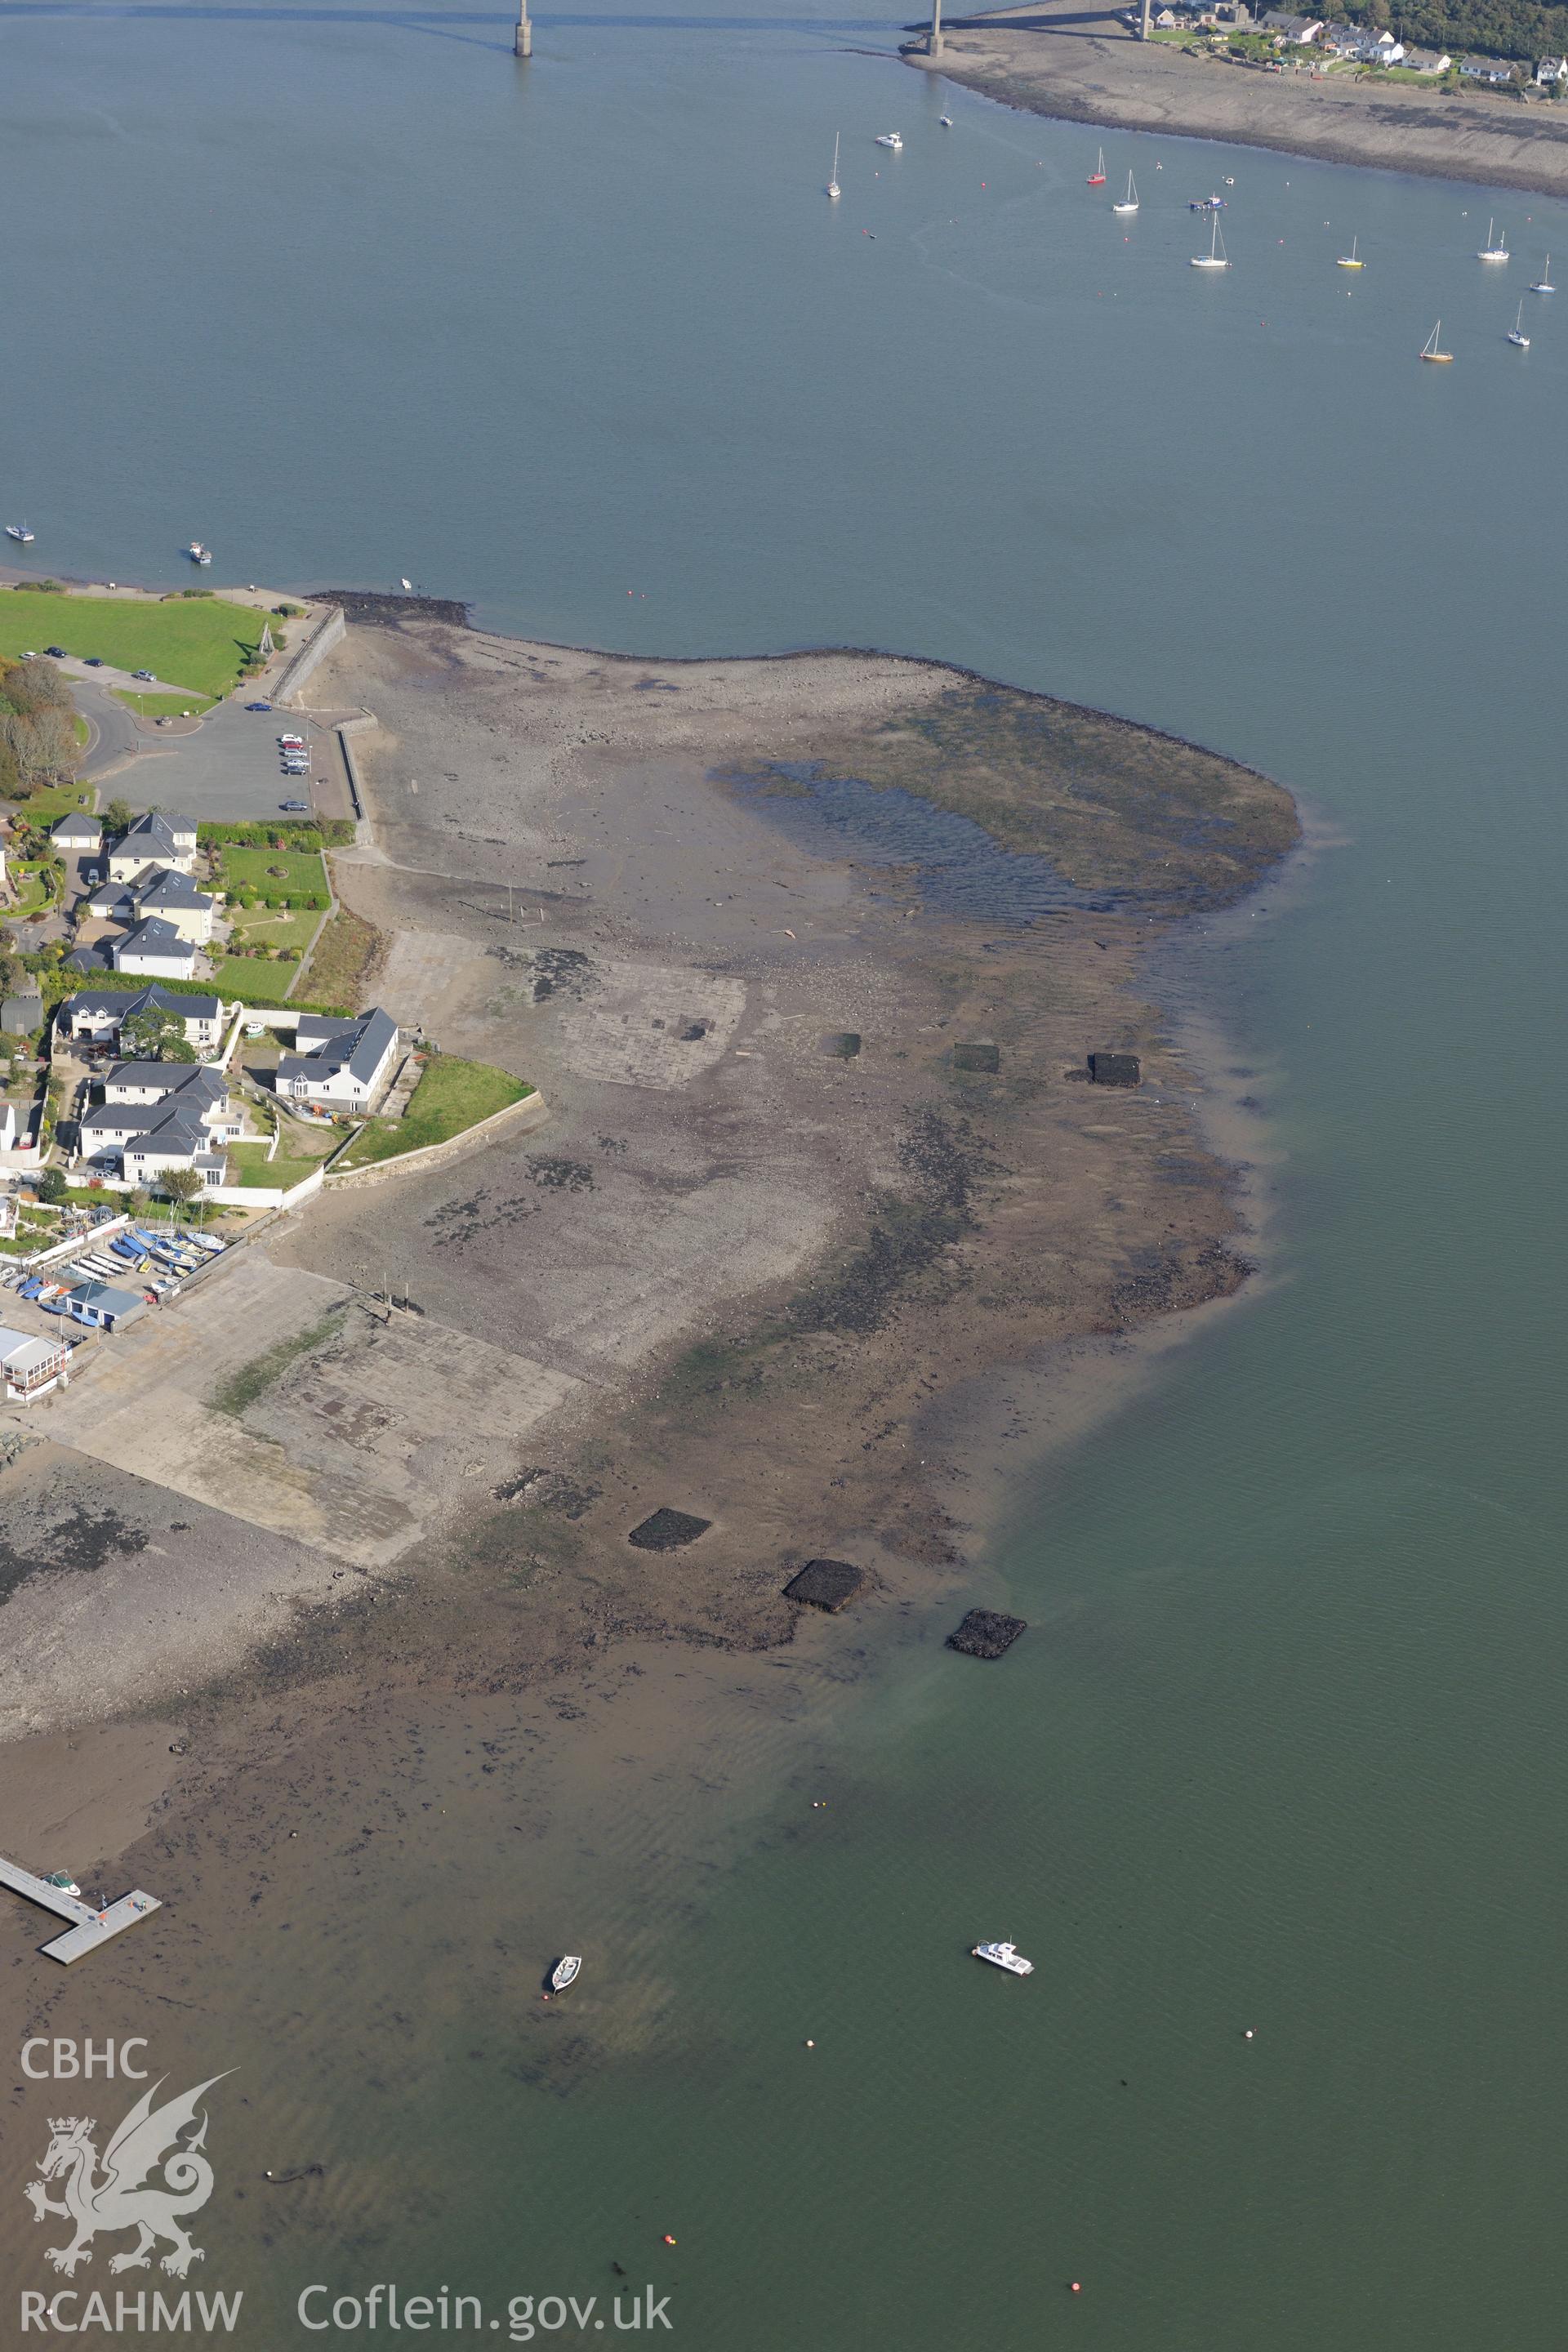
986 1632
977 1056
842 1044
826 1583
667 1530
1115 1070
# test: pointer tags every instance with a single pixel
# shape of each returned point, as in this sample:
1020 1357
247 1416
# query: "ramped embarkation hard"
145 2311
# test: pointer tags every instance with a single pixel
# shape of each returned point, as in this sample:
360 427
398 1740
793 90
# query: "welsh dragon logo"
124 2195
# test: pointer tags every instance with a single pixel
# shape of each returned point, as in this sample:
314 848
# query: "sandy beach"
1086 65
736 1274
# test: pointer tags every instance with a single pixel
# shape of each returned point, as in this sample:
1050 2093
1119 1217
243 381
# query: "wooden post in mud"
933 38
522 41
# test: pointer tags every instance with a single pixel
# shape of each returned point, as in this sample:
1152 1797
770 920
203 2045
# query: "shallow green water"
342 293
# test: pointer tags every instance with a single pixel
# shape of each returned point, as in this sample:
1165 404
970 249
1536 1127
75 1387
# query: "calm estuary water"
345 293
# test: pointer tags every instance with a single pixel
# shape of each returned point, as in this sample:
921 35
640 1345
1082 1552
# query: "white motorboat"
19 530
565 1972
833 187
1004 1956
945 121
1492 250
1544 283
1215 258
198 553
1129 203
890 138
1516 334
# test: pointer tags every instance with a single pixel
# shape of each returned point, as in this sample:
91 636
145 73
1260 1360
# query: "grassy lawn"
165 706
31 893
303 875
450 1096
268 927
197 641
249 1165
252 981
54 801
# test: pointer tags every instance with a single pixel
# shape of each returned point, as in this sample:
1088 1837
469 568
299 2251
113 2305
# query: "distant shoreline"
1053 59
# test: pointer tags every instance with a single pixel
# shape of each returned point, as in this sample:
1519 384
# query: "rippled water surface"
348 295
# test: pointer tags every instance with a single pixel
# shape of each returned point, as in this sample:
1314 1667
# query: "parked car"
95 661
258 706
294 808
57 653
145 673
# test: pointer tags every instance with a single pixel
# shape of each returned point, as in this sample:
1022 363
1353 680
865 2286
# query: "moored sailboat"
1096 177
1492 250
1348 260
1215 258
1429 348
833 188
1544 283
1129 203
1516 334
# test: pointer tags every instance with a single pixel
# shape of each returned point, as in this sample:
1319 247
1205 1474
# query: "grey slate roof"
154 937
77 830
189 1080
152 835
151 999
172 889
336 1046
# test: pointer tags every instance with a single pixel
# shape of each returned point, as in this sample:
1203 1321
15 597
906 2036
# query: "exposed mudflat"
1057 58
744 1260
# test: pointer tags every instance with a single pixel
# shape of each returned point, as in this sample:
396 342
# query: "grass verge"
165 706
198 641
347 953
249 1165
451 1097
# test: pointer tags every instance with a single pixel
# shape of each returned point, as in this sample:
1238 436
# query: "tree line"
37 728
1492 29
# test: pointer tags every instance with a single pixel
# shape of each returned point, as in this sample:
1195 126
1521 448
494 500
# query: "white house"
156 839
175 899
157 1116
1494 70
1427 61
1381 49
341 1064
29 1369
155 946
93 1016
162 891
1550 72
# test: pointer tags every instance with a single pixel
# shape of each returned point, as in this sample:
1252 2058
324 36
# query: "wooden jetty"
88 1929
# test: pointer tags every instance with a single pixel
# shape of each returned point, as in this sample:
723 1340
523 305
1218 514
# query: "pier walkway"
88 1928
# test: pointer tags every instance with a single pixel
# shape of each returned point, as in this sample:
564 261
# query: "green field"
249 1165
164 706
264 927
450 1096
196 641
303 876
54 801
